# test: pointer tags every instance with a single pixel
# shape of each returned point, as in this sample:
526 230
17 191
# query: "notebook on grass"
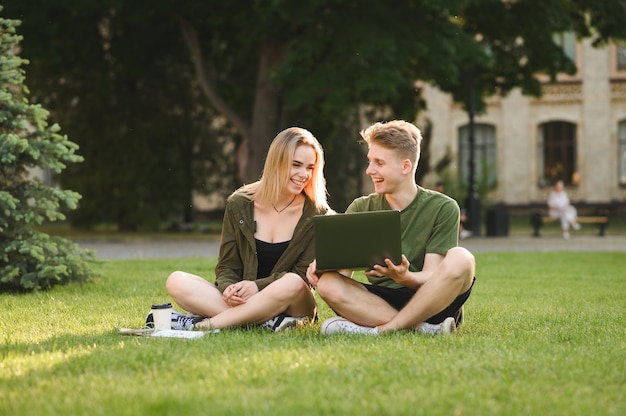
357 240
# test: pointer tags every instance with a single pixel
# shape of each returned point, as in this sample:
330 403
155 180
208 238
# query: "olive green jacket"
238 258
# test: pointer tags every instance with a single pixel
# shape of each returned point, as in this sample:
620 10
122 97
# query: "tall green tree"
29 259
126 96
316 64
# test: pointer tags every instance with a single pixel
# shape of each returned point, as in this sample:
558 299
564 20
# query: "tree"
319 60
126 96
29 259
318 63
513 41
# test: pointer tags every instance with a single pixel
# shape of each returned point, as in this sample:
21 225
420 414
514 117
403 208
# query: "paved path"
144 248
181 248
552 243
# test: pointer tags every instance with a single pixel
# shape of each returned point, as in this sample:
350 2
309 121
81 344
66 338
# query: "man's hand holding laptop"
396 272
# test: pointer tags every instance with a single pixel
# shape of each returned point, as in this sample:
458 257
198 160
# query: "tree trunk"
266 112
193 45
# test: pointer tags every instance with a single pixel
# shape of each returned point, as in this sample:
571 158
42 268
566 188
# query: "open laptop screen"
357 240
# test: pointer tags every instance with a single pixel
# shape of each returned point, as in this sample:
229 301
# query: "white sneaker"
448 326
566 235
576 226
282 322
186 322
339 325
180 321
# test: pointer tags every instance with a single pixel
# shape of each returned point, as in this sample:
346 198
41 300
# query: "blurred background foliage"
170 98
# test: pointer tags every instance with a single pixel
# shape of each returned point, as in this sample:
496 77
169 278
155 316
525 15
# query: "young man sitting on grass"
427 290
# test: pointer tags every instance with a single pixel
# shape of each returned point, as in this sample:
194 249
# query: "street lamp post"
473 199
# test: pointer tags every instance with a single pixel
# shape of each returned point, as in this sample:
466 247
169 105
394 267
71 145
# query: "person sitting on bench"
560 208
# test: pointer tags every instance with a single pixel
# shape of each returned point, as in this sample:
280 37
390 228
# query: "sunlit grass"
543 335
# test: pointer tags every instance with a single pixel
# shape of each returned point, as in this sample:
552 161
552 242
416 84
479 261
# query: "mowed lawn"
544 335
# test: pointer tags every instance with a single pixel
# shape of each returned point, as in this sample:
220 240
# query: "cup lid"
162 306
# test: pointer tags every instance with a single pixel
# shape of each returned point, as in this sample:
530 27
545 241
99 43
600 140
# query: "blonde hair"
398 135
277 169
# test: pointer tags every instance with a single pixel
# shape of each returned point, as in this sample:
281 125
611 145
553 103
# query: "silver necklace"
286 206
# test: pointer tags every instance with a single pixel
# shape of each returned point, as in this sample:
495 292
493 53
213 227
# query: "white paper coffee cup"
162 316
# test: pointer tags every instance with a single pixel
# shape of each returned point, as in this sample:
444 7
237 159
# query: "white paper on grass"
177 333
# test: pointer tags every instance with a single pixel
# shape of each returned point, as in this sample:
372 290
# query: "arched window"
557 153
485 155
621 151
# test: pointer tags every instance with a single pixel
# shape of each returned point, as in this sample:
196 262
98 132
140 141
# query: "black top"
268 254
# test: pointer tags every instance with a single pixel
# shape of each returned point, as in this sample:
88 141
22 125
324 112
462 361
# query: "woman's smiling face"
304 159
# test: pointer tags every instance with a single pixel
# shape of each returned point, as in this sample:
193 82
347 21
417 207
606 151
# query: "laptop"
357 240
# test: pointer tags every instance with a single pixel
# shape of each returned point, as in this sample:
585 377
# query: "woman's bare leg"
289 295
195 294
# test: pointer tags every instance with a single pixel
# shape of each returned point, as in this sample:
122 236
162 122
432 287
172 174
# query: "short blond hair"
277 168
398 135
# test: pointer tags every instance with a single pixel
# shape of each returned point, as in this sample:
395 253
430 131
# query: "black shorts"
398 298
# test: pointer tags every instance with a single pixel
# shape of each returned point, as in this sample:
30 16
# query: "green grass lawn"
544 335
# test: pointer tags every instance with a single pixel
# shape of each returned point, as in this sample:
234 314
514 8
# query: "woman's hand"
239 293
311 274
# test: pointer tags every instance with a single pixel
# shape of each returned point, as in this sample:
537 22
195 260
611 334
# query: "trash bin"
497 221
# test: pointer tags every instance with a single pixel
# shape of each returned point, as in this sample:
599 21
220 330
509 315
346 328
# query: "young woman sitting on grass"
266 245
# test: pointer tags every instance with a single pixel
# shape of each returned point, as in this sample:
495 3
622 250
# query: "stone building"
575 132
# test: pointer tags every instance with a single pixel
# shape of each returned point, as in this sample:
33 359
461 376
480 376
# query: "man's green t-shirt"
430 224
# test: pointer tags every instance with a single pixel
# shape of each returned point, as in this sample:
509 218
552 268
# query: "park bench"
601 219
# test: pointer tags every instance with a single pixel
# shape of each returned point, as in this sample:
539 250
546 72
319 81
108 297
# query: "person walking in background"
265 248
427 290
561 208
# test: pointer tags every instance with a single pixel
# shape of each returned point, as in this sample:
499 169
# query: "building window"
620 55
621 151
618 60
567 41
557 153
484 156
